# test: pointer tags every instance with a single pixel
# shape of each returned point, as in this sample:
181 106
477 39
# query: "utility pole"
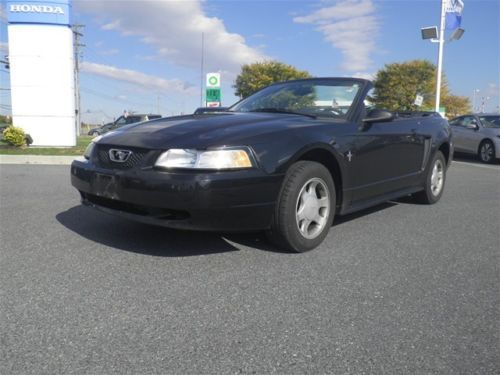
202 67
76 46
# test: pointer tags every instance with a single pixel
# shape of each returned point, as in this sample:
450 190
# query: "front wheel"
305 208
434 181
486 151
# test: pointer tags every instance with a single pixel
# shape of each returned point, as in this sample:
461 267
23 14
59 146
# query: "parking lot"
400 288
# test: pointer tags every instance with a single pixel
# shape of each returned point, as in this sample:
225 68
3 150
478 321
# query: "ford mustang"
285 160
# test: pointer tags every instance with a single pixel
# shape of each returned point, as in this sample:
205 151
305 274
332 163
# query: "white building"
42 70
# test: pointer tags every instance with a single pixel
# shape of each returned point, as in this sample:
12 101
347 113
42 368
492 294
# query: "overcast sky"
145 56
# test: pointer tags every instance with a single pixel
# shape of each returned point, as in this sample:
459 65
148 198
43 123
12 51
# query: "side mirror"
378 115
472 125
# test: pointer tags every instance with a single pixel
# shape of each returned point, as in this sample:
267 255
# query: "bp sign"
213 80
213 92
213 95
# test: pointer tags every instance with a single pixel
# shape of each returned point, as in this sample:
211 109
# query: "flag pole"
440 54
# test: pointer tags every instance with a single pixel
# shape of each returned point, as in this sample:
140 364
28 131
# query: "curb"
37 159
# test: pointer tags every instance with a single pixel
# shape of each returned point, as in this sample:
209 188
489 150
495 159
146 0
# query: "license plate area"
105 185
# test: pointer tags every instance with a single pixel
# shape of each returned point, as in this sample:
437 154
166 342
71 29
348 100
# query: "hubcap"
313 208
486 152
437 177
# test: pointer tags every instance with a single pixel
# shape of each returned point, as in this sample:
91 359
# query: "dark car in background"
122 121
478 134
285 160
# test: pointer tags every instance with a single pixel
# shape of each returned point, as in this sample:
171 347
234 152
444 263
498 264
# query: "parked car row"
122 121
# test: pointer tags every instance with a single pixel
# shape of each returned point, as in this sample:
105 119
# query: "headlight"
90 147
214 159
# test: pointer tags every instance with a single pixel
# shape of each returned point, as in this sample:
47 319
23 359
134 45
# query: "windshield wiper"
280 110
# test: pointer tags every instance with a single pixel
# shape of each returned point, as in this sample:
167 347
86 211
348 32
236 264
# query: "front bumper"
216 201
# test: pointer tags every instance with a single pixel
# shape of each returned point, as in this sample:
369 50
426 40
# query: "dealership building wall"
42 70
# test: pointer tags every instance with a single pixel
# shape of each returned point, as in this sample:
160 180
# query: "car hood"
204 131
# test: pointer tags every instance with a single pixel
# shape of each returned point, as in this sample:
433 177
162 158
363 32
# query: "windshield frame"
354 110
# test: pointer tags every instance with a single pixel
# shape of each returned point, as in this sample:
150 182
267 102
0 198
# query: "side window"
121 121
456 122
133 119
467 121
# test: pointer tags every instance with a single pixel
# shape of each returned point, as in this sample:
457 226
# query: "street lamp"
484 99
431 34
474 99
457 34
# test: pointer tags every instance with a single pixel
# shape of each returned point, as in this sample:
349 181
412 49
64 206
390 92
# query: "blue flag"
454 10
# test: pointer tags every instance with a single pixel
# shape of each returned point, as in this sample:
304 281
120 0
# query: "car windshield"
490 121
317 98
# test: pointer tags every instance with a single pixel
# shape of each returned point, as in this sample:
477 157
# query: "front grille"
155 212
136 159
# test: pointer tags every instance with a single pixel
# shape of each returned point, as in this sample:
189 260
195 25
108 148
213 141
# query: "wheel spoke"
323 202
304 226
301 213
318 219
311 188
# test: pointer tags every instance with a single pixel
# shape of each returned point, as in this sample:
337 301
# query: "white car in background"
477 134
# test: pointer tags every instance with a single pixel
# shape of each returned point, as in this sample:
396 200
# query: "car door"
387 156
458 134
471 134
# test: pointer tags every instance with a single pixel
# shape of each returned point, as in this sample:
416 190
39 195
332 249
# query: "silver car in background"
477 134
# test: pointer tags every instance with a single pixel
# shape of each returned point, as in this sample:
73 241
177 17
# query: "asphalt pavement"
398 289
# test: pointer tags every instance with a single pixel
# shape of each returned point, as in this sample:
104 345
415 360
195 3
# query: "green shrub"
14 136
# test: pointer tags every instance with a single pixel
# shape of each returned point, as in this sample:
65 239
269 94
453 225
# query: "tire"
305 208
434 181
486 151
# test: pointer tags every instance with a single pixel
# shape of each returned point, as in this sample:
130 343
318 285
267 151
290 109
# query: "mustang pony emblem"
119 156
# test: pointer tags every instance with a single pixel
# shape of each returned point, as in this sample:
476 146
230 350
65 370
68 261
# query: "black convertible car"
285 160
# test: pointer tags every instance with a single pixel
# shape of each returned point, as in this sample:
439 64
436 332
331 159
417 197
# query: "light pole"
474 100
440 54
435 37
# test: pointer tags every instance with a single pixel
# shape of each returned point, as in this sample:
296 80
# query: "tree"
397 85
255 76
456 105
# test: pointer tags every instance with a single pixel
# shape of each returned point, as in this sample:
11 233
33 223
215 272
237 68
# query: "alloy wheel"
437 178
486 152
312 208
